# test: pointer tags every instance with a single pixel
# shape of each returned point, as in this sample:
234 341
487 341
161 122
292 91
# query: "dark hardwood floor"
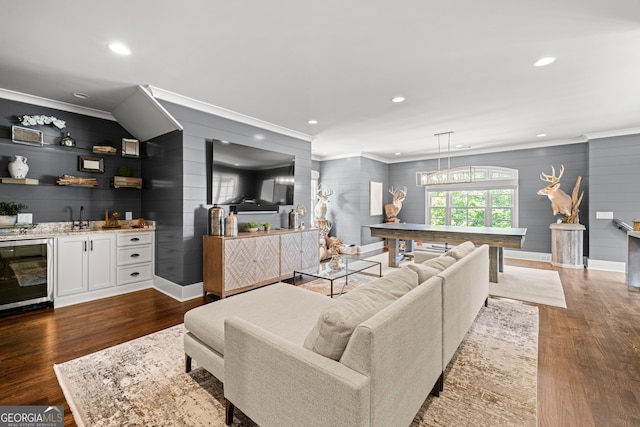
588 368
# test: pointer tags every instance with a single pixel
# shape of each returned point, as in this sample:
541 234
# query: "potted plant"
8 212
266 225
252 226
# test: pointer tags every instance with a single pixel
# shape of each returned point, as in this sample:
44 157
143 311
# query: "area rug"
30 272
530 285
519 283
491 380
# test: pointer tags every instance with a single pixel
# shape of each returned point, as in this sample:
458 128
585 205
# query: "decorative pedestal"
566 245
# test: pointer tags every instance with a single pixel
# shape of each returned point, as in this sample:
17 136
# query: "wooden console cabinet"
253 259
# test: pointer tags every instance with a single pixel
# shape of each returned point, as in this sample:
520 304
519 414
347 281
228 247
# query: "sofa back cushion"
332 331
462 250
398 282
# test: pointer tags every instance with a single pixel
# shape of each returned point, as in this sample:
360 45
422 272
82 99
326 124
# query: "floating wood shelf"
27 181
74 181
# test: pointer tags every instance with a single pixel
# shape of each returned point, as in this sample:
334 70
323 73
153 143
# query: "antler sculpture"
393 209
560 201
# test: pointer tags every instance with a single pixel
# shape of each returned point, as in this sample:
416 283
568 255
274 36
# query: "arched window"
490 201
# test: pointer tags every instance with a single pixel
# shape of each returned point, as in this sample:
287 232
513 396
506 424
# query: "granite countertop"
55 229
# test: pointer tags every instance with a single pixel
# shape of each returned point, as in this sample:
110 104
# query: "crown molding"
223 112
612 133
51 103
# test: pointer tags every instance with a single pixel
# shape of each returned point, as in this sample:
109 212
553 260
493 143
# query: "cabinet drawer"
130 239
136 273
135 255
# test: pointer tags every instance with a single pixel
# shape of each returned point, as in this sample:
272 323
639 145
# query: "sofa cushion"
442 262
461 250
398 282
333 329
269 307
425 272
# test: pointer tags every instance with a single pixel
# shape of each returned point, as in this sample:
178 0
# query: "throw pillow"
425 272
332 331
461 250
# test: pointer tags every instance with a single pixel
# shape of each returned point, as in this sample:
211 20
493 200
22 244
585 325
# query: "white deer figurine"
393 209
560 201
320 210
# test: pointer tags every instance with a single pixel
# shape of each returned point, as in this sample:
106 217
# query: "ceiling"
463 66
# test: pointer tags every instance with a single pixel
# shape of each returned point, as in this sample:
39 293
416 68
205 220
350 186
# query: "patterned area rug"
491 380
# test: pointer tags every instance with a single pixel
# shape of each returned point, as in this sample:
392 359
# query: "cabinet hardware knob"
134 239
135 273
135 255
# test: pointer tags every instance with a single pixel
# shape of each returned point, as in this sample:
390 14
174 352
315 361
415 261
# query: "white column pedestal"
566 245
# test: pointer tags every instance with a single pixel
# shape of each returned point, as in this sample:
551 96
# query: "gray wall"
535 212
348 208
191 187
162 201
48 201
614 174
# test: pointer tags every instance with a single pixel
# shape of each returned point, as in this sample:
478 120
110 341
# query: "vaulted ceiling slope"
462 65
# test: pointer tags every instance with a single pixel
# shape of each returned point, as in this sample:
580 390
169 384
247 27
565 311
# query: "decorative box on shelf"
127 182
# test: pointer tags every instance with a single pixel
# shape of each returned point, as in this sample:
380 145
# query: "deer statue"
392 210
320 210
561 203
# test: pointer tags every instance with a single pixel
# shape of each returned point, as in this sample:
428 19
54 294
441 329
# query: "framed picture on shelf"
130 147
26 136
91 164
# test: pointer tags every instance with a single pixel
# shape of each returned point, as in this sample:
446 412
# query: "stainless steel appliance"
26 274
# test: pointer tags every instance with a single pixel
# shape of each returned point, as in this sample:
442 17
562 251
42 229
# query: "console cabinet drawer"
136 255
131 239
136 273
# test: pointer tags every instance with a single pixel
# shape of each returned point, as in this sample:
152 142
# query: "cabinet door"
309 249
267 258
239 263
72 265
290 246
102 261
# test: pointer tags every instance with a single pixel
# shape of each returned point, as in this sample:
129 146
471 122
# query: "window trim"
507 183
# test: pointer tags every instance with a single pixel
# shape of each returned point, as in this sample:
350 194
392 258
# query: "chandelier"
460 175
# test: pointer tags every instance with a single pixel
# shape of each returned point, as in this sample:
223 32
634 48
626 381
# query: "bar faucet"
81 225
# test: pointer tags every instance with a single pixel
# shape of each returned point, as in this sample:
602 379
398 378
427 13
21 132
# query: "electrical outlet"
128 215
604 215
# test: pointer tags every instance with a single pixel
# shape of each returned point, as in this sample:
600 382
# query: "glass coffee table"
347 268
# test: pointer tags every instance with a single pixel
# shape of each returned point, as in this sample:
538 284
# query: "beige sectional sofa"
291 357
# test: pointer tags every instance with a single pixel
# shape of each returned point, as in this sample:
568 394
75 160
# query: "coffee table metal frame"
351 266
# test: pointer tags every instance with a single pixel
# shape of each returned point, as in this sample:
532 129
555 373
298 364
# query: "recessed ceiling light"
80 95
259 136
397 154
462 147
540 135
313 122
398 99
544 61
119 48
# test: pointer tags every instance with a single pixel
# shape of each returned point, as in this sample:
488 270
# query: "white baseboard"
530 256
372 247
595 264
64 301
175 291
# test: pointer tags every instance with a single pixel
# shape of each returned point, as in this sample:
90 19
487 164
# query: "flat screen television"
251 179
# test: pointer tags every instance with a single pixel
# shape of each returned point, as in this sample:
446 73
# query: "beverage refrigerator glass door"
26 273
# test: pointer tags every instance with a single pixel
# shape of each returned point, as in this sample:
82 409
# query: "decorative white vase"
18 168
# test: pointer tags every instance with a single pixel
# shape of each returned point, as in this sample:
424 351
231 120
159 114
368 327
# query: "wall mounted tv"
251 179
